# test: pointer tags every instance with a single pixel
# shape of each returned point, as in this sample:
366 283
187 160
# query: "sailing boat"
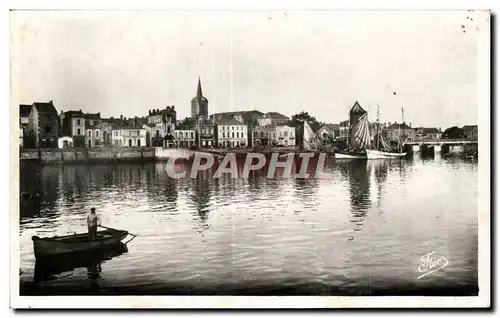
311 142
359 138
382 148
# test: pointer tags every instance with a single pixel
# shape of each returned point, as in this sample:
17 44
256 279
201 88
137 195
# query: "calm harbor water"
361 231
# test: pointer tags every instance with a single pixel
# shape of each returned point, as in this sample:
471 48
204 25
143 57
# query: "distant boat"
381 148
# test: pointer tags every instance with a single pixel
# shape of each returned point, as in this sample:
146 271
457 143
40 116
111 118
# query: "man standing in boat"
93 221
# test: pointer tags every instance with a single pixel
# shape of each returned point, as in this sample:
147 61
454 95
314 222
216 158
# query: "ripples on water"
362 230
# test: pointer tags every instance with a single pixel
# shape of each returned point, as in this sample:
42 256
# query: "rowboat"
376 154
58 245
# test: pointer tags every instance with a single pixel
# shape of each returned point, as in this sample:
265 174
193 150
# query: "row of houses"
42 127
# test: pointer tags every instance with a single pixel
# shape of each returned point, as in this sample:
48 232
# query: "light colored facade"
285 136
231 133
128 137
185 138
65 142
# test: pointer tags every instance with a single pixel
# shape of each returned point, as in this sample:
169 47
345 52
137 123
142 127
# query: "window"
262 134
223 135
232 128
95 123
256 134
168 129
192 135
78 132
157 133
232 136
286 133
97 133
78 122
89 132
238 135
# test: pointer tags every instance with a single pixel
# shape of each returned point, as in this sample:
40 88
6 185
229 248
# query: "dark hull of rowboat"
59 245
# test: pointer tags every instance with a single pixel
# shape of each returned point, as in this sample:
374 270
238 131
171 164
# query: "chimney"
111 117
149 112
51 102
80 110
121 117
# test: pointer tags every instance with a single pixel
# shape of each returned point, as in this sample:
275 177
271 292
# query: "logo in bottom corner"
431 263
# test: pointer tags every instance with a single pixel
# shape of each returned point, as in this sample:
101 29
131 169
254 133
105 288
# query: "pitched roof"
469 127
73 113
243 112
45 107
276 115
228 121
92 116
24 110
396 126
431 130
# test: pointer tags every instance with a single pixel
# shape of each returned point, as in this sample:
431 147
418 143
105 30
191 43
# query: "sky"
127 62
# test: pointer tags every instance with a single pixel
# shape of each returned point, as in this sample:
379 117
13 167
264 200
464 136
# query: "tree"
298 120
453 133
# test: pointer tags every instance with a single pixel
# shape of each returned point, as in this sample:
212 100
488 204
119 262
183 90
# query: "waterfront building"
160 127
329 131
128 136
231 133
398 131
199 104
470 132
272 119
185 138
65 142
24 115
93 136
43 125
249 118
205 130
73 125
422 133
264 136
285 136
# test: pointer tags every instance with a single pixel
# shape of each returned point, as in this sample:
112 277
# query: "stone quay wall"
88 155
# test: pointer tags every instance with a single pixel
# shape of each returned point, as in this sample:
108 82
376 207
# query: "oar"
110 228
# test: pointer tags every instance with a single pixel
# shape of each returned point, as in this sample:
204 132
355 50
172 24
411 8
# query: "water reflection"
47 269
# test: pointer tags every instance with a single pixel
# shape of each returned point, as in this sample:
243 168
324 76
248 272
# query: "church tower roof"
199 94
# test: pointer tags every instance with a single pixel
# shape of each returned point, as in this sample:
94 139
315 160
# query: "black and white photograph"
340 154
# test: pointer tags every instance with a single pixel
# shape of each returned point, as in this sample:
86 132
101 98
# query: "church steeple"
199 94
199 104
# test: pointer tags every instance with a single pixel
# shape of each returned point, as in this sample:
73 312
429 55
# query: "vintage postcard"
180 159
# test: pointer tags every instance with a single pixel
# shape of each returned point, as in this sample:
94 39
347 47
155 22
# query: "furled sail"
360 138
310 140
382 142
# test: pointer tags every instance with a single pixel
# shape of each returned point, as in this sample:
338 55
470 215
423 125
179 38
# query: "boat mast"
378 124
348 127
400 137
